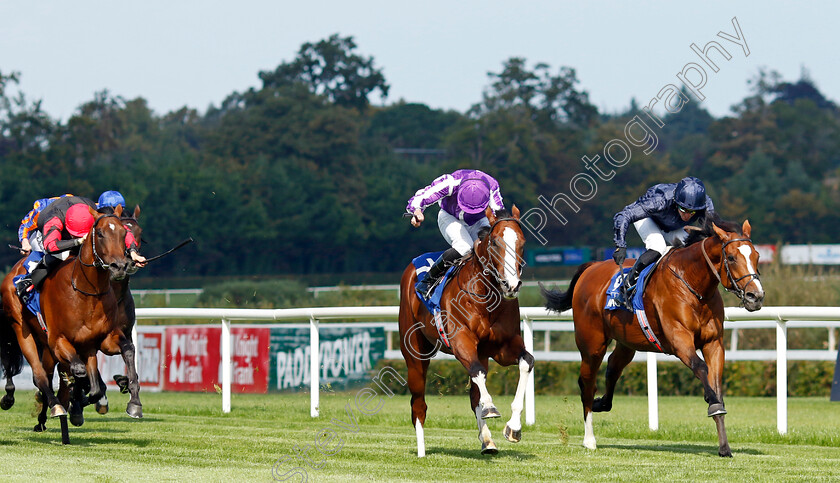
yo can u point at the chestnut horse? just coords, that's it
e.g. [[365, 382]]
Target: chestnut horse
[[80, 314], [480, 314], [683, 306]]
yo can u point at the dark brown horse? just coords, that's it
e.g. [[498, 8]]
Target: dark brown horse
[[683, 306], [80, 314], [480, 315]]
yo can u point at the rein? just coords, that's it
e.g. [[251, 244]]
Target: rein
[[98, 263], [735, 288]]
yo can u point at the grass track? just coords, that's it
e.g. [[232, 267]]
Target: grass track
[[185, 437]]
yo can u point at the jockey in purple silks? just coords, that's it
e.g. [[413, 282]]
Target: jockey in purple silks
[[463, 196]]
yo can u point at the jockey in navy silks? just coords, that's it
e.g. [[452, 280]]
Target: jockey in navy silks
[[463, 196], [660, 216]]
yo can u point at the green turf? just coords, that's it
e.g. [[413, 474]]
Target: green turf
[[185, 437]]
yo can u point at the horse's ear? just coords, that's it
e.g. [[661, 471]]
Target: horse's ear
[[118, 210], [515, 212], [136, 211], [746, 228], [491, 217], [722, 234], [94, 213]]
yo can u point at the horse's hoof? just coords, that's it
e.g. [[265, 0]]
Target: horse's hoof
[[589, 443], [511, 435], [78, 369], [77, 419], [725, 453], [57, 410], [716, 409], [599, 406], [102, 408], [134, 410], [489, 448], [40, 428], [7, 402], [490, 412]]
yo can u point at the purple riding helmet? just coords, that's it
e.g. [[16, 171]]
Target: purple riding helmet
[[473, 195]]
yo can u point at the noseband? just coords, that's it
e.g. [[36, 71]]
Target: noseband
[[738, 291]]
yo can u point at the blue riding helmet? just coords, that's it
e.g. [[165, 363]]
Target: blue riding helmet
[[111, 198], [690, 194]]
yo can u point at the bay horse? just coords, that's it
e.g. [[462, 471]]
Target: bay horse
[[80, 316], [683, 306], [480, 316], [127, 320]]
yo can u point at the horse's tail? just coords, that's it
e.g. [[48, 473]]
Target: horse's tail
[[560, 301], [10, 353]]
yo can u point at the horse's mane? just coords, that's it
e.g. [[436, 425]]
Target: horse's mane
[[705, 230], [482, 233]]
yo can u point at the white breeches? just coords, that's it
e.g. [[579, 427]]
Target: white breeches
[[457, 233], [655, 238]]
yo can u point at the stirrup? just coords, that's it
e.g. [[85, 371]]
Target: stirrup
[[23, 287]]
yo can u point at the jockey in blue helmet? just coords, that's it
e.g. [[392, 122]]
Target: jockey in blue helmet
[[111, 199], [660, 216], [463, 195]]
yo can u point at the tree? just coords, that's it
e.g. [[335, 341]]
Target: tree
[[332, 68]]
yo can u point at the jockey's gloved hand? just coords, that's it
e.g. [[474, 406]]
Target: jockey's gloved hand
[[619, 255]]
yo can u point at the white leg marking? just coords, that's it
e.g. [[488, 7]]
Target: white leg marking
[[746, 252], [510, 257], [421, 441], [519, 400], [588, 434], [485, 398], [483, 430]]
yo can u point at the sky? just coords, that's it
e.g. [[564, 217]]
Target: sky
[[196, 53]]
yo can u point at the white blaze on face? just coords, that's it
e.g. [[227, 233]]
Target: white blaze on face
[[510, 258], [112, 226], [746, 251]]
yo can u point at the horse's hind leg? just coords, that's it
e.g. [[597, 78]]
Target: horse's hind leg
[[590, 361], [713, 353], [102, 404], [618, 360], [417, 351], [8, 399]]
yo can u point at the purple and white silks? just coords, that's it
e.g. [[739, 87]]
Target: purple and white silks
[[444, 189]]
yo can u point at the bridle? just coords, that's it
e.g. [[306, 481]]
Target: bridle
[[734, 289], [491, 269], [98, 262]]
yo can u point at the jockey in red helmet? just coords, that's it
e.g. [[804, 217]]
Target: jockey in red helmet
[[65, 223]]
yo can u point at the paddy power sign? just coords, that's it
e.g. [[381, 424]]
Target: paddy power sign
[[347, 355]]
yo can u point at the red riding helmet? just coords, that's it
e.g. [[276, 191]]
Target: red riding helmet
[[78, 220]]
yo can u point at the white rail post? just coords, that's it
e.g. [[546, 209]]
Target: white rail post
[[314, 367], [225, 366], [653, 389], [528, 336], [781, 376], [136, 349]]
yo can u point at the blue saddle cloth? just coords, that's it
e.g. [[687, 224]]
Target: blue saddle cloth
[[422, 264], [34, 302], [614, 300]]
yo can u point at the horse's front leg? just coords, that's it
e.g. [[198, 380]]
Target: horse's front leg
[[119, 343], [714, 354], [484, 436], [515, 353]]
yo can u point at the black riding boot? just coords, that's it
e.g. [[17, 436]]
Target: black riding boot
[[642, 263], [437, 270], [32, 281]]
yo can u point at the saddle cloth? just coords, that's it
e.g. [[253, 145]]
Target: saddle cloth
[[636, 305], [422, 264]]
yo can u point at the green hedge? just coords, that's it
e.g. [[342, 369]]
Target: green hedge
[[741, 378]]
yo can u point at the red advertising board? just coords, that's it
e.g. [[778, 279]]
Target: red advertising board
[[194, 361]]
